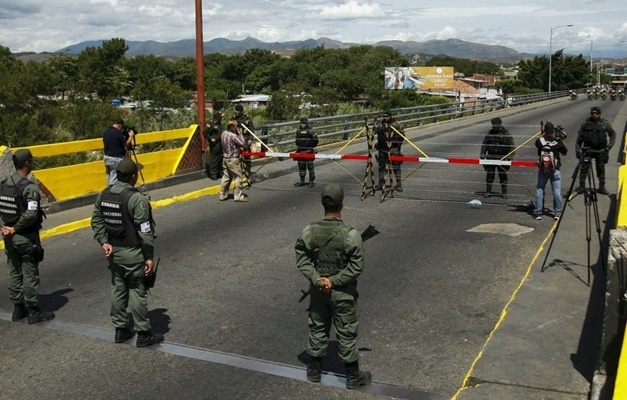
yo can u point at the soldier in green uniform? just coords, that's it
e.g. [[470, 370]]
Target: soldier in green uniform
[[244, 120], [306, 142], [389, 142], [22, 216], [123, 225], [595, 134], [497, 143], [330, 254], [212, 133]]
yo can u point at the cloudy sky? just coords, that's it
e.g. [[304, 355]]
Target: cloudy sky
[[49, 25]]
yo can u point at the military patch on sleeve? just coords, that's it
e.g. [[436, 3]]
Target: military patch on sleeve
[[142, 205], [145, 227], [33, 206]]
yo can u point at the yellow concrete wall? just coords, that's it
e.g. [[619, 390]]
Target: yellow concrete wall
[[80, 179]]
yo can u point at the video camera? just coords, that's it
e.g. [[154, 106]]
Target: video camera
[[128, 129], [559, 133]]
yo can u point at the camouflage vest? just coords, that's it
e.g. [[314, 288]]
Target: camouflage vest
[[328, 240], [594, 135], [118, 222]]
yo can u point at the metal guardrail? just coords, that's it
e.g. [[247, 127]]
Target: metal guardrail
[[280, 136]]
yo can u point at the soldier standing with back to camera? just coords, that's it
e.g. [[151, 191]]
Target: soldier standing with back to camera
[[115, 147], [123, 225], [212, 135], [389, 142], [22, 216], [306, 142], [593, 135], [244, 120], [497, 144], [330, 254]]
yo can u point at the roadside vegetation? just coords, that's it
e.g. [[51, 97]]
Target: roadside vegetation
[[68, 97]]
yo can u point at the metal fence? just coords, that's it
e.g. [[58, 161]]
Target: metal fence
[[280, 136]]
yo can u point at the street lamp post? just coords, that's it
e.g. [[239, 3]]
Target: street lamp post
[[551, 53]]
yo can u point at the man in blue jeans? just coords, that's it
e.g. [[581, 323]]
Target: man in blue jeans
[[549, 148]]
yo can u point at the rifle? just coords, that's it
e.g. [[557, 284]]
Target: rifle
[[150, 282], [368, 233]]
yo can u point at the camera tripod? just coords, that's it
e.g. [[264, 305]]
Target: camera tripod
[[589, 192], [141, 175]]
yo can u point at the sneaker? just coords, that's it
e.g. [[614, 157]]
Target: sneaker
[[123, 334], [241, 200], [538, 217], [145, 339], [556, 217]]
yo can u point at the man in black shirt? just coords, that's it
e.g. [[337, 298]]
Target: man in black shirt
[[115, 147]]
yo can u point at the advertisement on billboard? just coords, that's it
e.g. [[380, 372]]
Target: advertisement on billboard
[[419, 78]]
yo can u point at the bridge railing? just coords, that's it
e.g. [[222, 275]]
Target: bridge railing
[[77, 180]]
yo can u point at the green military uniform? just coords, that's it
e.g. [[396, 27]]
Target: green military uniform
[[24, 247], [306, 142], [212, 135], [497, 144], [340, 257], [389, 142], [122, 217], [243, 119], [593, 134]]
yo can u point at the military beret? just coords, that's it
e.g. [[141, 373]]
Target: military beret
[[239, 107], [22, 155], [387, 112], [595, 109], [496, 121], [304, 120], [128, 167], [334, 192]]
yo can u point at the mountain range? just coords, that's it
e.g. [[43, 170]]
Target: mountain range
[[187, 48]]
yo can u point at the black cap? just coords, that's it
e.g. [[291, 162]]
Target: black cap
[[22, 155], [304, 120], [496, 121], [595, 109], [334, 192], [387, 112], [118, 121], [128, 167], [239, 107]]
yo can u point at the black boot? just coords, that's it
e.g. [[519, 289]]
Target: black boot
[[488, 191], [601, 189], [311, 182], [147, 338], [19, 312], [36, 315], [399, 187], [356, 378], [380, 186], [301, 182], [504, 191], [123, 334], [314, 369]]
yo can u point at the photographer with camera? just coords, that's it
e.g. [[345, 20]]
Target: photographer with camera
[[116, 139], [597, 135], [550, 145]]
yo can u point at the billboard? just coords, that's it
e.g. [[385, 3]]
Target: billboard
[[419, 78]]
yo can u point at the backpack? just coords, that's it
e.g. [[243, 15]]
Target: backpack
[[547, 157]]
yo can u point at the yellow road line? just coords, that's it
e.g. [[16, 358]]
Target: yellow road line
[[503, 314]]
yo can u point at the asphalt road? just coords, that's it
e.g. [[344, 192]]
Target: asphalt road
[[430, 295]]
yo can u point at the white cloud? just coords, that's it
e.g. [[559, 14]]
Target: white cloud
[[350, 10]]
